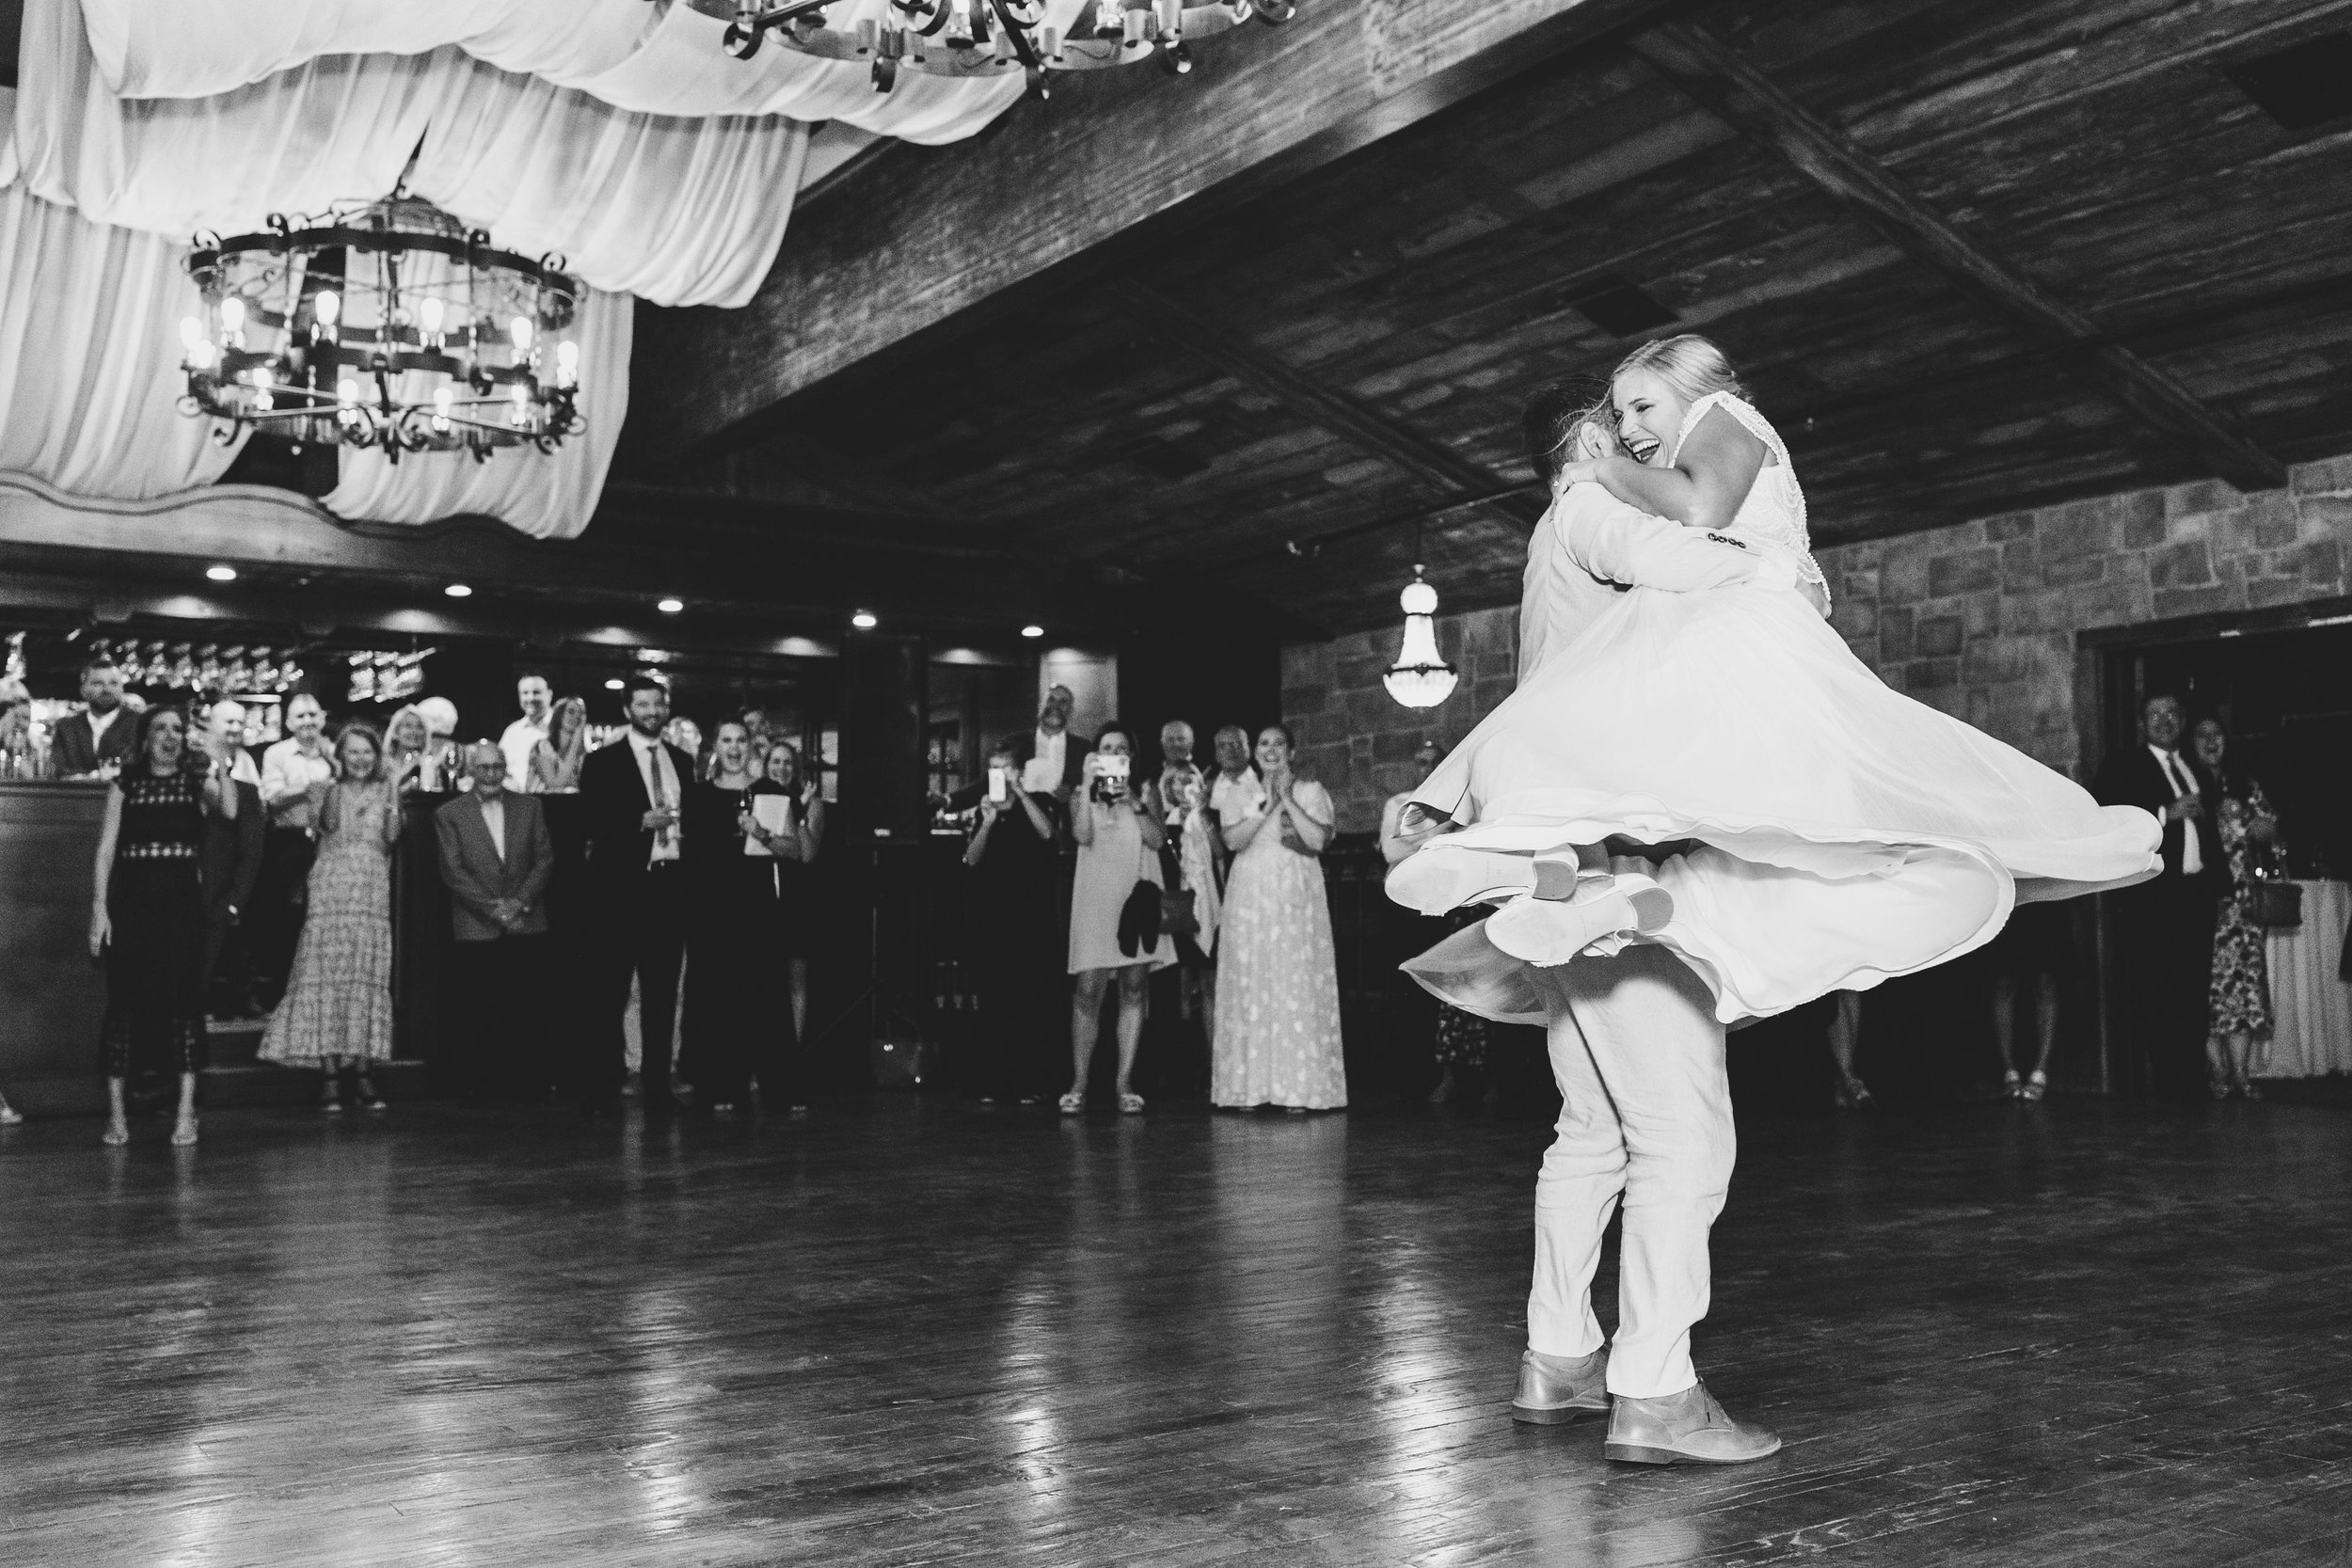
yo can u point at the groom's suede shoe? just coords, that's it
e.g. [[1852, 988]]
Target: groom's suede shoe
[[1557, 1388], [1689, 1427]]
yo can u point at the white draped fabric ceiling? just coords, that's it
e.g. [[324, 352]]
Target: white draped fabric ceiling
[[613, 132]]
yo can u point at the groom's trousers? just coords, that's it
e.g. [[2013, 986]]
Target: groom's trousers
[[1646, 1122]]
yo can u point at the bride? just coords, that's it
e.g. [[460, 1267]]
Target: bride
[[1714, 771]]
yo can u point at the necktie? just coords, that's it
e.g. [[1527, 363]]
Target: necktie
[[2192, 852]]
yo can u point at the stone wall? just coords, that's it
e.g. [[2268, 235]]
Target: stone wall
[[1979, 619]]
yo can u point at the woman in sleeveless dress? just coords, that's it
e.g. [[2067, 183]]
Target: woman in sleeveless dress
[[147, 920], [1278, 995], [337, 1007], [1716, 772]]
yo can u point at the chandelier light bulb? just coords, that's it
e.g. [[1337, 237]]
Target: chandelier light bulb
[[192, 334], [567, 363], [347, 392], [233, 314], [518, 401], [671, 607], [1033, 630], [262, 381], [864, 620], [521, 330], [429, 316], [327, 305], [443, 400]]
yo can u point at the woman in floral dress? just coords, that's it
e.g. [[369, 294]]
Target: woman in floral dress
[[2239, 998], [337, 1007], [1278, 993]]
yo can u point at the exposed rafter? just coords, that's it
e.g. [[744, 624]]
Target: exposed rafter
[[1124, 154], [1710, 72], [1208, 336]]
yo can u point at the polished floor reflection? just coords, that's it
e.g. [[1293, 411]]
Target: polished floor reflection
[[911, 1332]]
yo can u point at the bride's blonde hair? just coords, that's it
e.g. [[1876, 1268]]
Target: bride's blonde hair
[[1691, 364]]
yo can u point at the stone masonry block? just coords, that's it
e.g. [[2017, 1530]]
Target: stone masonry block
[[2021, 566], [2323, 564], [2073, 531], [2108, 604], [2187, 565], [2174, 603], [1305, 663], [1903, 570], [2269, 593], [1855, 618], [2144, 525], [2333, 473], [1858, 585], [1305, 702], [1964, 572], [1897, 631], [2076, 572], [2207, 495], [1940, 636], [2325, 514], [2264, 522], [1927, 674], [2014, 525], [1359, 669]]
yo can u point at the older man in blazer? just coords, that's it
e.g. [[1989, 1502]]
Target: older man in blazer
[[496, 858]]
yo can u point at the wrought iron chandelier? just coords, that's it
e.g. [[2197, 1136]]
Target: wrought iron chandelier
[[985, 38], [387, 324], [1420, 677]]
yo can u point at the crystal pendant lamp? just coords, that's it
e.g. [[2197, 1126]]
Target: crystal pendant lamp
[[1420, 677]]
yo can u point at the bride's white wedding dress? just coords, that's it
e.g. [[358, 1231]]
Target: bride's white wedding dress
[[1841, 834]]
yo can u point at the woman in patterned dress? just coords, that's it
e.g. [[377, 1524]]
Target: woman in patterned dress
[[2239, 998], [1278, 997], [337, 1007], [147, 919]]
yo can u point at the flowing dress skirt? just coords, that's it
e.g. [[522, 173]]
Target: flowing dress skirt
[[1834, 833], [339, 999], [1277, 991]]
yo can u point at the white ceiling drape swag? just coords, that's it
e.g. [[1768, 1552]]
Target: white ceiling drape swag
[[659, 58], [613, 132], [89, 357]]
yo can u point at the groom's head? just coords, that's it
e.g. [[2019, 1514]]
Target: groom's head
[[1552, 419]]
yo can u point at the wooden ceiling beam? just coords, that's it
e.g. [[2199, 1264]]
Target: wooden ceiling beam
[[1725, 84], [1209, 336], [924, 235]]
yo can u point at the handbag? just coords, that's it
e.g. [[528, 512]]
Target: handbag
[[2276, 906], [1139, 916], [1179, 915]]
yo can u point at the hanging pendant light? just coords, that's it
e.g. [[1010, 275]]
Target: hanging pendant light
[[1420, 677]]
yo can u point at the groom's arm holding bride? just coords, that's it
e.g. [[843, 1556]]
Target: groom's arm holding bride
[[1609, 538]]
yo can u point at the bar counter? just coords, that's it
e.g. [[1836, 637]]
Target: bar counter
[[53, 993]]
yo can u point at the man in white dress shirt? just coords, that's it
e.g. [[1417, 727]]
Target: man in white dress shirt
[[633, 800], [1645, 1125], [536, 698], [289, 768], [1056, 757], [96, 739]]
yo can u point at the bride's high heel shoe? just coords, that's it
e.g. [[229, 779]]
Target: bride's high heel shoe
[[1548, 931], [1440, 878]]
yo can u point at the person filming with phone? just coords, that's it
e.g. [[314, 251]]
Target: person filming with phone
[[1019, 947], [1114, 909]]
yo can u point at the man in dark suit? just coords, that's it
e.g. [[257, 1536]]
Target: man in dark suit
[[496, 858], [231, 857], [632, 797], [2164, 927], [100, 735]]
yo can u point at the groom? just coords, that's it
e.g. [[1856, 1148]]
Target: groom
[[1645, 1119]]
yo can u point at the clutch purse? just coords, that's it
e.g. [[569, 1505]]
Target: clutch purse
[[1140, 918], [2277, 906]]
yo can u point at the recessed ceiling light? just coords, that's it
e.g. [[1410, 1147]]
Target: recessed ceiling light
[[865, 621], [458, 591], [671, 607], [221, 574], [1032, 631], [615, 683]]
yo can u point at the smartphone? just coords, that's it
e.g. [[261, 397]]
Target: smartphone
[[1112, 766], [999, 786]]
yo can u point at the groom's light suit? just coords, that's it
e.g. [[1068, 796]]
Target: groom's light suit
[[1645, 1112]]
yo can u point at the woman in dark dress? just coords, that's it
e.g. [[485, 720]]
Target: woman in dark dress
[[731, 933], [795, 883], [1019, 948], [146, 920]]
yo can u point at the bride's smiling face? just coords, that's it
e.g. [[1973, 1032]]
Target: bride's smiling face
[[1649, 412]]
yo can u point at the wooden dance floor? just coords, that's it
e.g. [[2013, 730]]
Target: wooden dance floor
[[902, 1332]]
